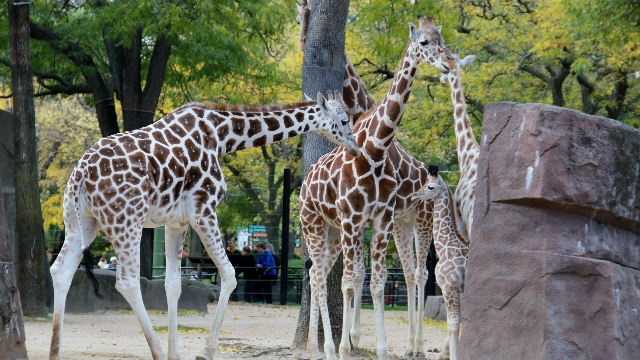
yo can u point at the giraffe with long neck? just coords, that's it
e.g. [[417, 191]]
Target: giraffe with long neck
[[452, 252], [467, 146], [169, 173], [342, 193], [413, 215]]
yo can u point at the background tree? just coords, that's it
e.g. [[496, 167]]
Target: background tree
[[323, 71], [33, 278], [142, 45]]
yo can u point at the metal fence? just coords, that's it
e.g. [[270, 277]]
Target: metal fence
[[261, 290]]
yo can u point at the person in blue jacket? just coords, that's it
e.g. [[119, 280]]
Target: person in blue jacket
[[268, 271]]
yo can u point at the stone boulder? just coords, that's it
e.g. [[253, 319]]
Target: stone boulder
[[435, 308], [81, 299], [554, 268]]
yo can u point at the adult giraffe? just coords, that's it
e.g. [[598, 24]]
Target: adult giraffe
[[169, 173], [413, 215], [342, 193]]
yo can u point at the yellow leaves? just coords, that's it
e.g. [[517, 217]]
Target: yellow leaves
[[52, 212]]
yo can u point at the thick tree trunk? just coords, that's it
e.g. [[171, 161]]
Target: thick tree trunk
[[34, 281], [323, 71], [12, 341], [138, 106]]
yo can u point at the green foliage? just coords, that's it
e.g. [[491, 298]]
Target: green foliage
[[248, 52]]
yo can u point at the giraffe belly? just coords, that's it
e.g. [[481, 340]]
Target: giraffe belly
[[172, 214]]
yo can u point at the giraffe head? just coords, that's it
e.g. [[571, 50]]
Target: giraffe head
[[428, 46], [434, 187], [456, 64], [334, 121]]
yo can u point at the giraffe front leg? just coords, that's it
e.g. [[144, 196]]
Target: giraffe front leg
[[354, 333], [383, 230], [352, 260], [403, 235], [424, 237], [451, 283]]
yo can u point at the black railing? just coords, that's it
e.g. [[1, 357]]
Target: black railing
[[259, 289]]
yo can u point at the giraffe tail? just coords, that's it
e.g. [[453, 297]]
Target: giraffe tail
[[72, 195], [75, 187]]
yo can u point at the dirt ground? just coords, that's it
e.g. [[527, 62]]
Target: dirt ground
[[248, 332]]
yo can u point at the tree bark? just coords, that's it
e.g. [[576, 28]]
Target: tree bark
[[12, 341], [323, 70], [34, 280]]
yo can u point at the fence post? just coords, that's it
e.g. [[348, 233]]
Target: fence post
[[284, 251]]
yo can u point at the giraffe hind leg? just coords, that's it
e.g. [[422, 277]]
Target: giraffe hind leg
[[127, 248], [174, 237], [62, 271]]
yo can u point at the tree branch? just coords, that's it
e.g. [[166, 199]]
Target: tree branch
[[587, 88], [156, 72], [247, 186]]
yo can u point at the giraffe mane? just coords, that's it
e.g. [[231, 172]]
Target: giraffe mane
[[362, 117], [248, 108], [455, 219]]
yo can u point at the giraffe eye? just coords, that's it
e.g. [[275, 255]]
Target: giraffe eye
[[430, 188], [424, 42]]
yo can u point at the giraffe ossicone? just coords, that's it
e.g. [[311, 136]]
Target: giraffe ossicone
[[169, 173]]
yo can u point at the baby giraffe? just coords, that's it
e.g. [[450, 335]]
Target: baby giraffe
[[451, 251]]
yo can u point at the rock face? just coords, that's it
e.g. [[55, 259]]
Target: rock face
[[554, 269], [195, 295], [435, 308]]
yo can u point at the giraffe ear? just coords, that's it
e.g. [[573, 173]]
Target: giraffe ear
[[412, 32], [322, 101], [433, 170], [469, 59], [307, 97]]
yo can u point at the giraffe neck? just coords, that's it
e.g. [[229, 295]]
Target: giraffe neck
[[467, 146], [354, 93], [385, 118], [243, 129], [443, 220]]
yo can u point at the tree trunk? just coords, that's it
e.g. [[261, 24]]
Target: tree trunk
[[138, 106], [31, 266], [12, 343], [323, 70]]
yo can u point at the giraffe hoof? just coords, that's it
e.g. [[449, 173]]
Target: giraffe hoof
[[420, 356]]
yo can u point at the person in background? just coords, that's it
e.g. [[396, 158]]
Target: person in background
[[113, 263], [246, 267], [233, 254], [268, 271], [184, 255], [103, 264]]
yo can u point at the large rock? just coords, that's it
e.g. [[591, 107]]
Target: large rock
[[554, 269], [81, 299], [435, 308]]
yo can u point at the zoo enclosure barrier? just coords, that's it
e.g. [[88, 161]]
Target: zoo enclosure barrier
[[258, 289]]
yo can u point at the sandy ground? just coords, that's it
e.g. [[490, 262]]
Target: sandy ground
[[248, 332]]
